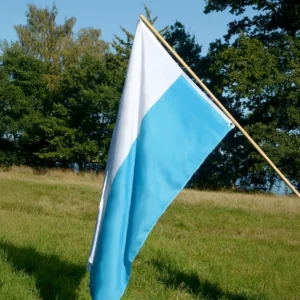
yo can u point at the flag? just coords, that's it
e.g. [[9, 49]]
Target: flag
[[166, 127]]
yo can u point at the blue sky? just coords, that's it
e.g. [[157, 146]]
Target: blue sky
[[108, 15]]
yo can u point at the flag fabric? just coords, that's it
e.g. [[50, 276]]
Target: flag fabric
[[165, 129]]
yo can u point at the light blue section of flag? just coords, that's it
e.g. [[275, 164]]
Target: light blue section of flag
[[176, 135]]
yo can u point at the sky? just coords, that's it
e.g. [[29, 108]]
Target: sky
[[108, 15]]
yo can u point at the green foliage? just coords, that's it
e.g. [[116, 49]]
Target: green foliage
[[22, 105], [185, 45], [57, 44], [272, 16], [84, 114], [59, 94], [123, 46], [255, 73], [41, 36]]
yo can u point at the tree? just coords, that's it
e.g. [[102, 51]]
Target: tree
[[24, 104], [59, 94], [43, 38], [255, 73], [84, 114], [185, 45], [274, 16], [123, 46], [58, 45]]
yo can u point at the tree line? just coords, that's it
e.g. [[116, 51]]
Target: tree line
[[60, 89]]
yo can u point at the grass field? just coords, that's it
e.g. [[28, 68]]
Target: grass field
[[206, 246]]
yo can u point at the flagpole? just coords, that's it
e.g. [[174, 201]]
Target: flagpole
[[219, 104]]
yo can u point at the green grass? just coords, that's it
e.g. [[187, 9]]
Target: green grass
[[206, 246]]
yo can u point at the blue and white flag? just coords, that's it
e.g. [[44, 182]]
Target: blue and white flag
[[165, 129]]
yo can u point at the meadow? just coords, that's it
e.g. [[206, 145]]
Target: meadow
[[208, 245]]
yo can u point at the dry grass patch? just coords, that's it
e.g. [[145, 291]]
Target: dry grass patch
[[56, 176], [264, 203]]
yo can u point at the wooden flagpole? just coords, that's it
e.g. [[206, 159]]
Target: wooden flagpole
[[219, 104]]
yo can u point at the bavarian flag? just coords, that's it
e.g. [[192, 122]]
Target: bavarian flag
[[165, 129]]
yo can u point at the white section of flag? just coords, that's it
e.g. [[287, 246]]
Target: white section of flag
[[162, 71]]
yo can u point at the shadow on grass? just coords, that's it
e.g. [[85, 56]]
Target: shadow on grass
[[176, 279], [55, 279]]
